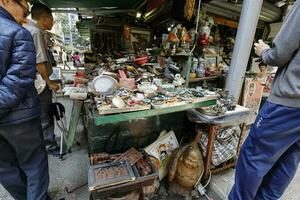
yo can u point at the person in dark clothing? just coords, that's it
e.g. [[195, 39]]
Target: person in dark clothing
[[51, 57], [23, 159], [270, 156]]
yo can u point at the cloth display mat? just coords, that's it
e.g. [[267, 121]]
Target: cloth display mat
[[225, 146]]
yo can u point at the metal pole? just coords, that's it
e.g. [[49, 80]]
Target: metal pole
[[242, 48]]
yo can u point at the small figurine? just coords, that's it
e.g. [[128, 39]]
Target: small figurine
[[185, 35], [173, 51], [200, 71], [185, 39], [204, 38], [172, 37], [193, 75], [178, 80], [195, 64], [230, 102], [217, 37]]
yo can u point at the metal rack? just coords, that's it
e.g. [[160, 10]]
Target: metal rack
[[230, 119]]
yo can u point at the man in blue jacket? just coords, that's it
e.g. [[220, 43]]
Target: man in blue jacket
[[23, 160]]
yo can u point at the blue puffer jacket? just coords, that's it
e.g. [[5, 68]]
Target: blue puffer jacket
[[18, 97]]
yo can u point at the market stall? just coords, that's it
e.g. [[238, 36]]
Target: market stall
[[143, 91], [126, 102]]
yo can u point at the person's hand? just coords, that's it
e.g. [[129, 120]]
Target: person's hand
[[53, 86], [260, 47]]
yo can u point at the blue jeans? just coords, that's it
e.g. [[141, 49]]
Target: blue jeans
[[270, 156], [23, 161]]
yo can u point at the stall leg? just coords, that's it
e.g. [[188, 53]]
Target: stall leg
[[75, 116], [209, 150]]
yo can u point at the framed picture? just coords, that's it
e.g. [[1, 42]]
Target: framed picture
[[56, 75], [162, 150], [211, 61], [253, 91], [140, 35], [137, 38]]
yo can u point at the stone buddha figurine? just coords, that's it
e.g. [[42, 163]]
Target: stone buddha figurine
[[186, 168]]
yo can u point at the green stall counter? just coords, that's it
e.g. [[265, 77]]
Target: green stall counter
[[118, 132]]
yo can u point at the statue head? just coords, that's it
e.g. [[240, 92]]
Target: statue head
[[190, 157]]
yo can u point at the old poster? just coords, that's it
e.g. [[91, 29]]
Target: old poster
[[253, 90]]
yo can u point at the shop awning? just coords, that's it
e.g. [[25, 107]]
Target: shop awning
[[123, 4], [269, 12]]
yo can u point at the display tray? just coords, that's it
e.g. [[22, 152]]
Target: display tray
[[103, 158], [180, 103], [109, 174], [168, 105], [211, 115], [143, 177], [132, 156], [102, 110], [206, 111]]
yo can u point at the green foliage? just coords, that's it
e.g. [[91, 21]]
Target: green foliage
[[78, 40]]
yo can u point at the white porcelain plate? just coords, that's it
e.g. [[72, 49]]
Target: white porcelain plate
[[105, 84]]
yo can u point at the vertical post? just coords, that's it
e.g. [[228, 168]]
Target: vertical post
[[243, 44], [209, 150], [75, 116], [188, 72]]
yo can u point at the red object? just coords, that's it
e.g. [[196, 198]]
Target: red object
[[151, 5], [80, 73], [204, 40], [141, 60], [79, 78], [122, 74], [75, 58], [207, 73], [125, 82], [134, 102]]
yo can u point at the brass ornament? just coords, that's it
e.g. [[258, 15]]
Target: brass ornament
[[187, 165], [189, 9]]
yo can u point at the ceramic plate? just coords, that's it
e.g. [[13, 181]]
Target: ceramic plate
[[105, 84], [147, 87]]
